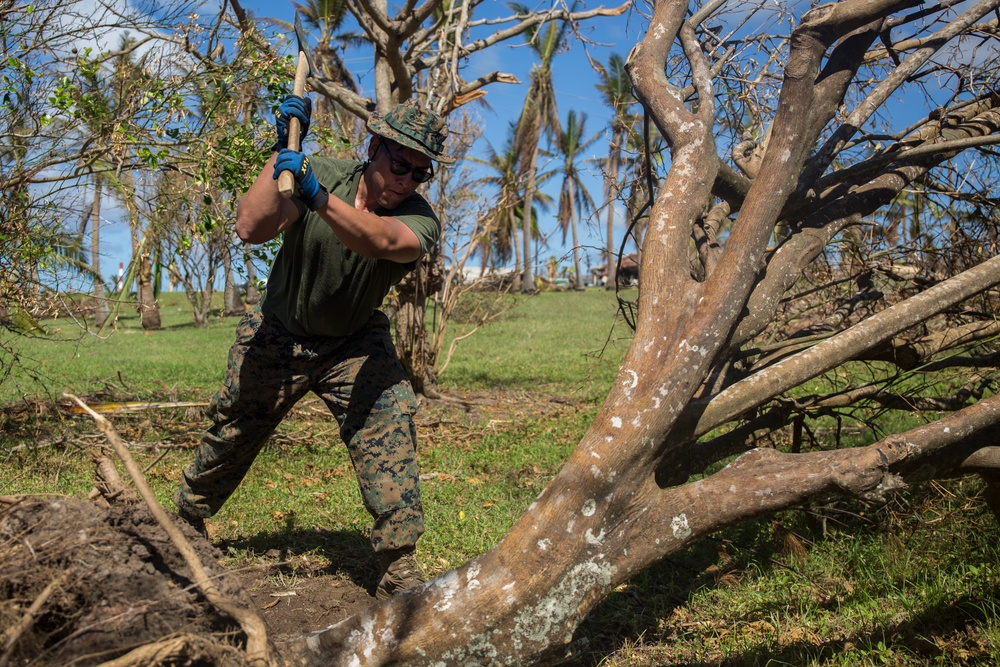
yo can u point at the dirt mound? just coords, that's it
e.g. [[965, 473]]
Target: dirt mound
[[82, 585]]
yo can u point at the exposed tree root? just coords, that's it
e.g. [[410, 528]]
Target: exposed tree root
[[110, 487], [13, 633], [184, 649], [259, 651]]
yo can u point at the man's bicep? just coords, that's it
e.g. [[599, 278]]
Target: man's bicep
[[407, 247], [426, 228]]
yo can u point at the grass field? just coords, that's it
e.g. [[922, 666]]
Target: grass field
[[913, 582]]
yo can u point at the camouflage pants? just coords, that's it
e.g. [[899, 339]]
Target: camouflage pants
[[363, 384]]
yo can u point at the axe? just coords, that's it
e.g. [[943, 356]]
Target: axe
[[303, 68]]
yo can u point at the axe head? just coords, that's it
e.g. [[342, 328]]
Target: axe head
[[303, 44]]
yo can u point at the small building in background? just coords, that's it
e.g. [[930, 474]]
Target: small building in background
[[628, 272]]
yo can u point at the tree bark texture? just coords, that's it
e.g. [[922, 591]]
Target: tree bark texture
[[149, 311], [412, 344]]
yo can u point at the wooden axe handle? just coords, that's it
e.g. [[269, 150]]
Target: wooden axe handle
[[286, 179]]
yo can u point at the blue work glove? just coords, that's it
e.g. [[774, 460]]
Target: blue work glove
[[312, 193], [292, 106]]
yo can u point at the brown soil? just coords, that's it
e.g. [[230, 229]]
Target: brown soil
[[119, 583], [312, 603]]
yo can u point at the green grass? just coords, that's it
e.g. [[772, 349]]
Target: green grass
[[473, 491], [912, 582], [555, 342], [177, 360]]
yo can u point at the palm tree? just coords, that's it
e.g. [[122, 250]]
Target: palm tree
[[128, 90], [507, 215], [500, 241], [538, 115], [573, 194], [617, 91], [97, 107]]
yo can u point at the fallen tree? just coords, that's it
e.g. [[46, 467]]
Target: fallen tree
[[622, 501]]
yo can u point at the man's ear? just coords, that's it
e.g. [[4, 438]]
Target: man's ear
[[372, 147]]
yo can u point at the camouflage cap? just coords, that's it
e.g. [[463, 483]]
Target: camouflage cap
[[409, 125]]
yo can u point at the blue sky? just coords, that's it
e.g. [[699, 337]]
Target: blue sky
[[574, 80]]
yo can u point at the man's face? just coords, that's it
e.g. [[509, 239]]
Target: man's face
[[388, 157]]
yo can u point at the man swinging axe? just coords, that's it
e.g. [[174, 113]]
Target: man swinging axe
[[352, 230]]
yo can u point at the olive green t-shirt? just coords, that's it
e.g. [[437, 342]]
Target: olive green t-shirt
[[317, 286]]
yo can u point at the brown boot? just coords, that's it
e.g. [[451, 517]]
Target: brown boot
[[400, 571]]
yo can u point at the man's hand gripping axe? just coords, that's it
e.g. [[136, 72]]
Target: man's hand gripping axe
[[303, 68]]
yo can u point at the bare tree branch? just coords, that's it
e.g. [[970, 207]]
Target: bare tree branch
[[818, 164], [830, 353]]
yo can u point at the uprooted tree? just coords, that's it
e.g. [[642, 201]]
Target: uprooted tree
[[811, 252], [816, 164]]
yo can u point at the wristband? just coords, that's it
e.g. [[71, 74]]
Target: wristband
[[320, 200]]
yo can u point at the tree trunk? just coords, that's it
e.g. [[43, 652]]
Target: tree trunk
[[516, 248], [611, 181], [578, 275], [612, 510], [232, 302], [142, 266], [572, 549], [412, 345], [201, 314], [149, 309], [100, 298], [528, 282]]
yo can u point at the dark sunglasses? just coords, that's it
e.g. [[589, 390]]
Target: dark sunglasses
[[401, 167]]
